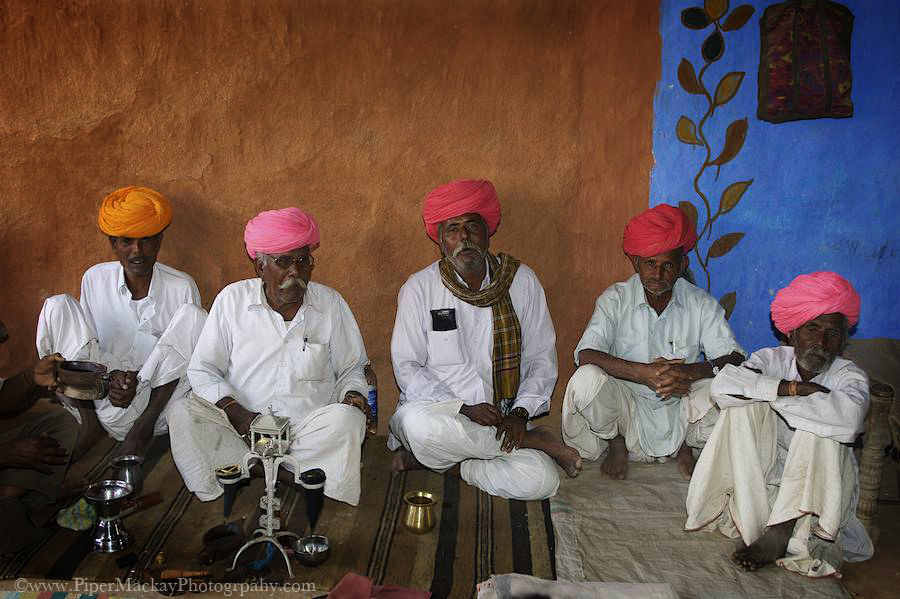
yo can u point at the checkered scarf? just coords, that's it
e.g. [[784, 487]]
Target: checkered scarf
[[507, 355]]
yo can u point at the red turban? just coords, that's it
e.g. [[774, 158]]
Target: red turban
[[134, 212], [810, 296], [461, 197], [659, 230], [280, 231]]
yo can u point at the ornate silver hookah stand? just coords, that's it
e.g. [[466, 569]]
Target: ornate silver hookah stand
[[269, 443]]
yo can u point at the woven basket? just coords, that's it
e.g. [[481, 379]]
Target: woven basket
[[871, 461]]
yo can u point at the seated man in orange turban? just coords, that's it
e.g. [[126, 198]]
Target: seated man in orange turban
[[474, 354], [137, 316], [642, 389], [778, 470]]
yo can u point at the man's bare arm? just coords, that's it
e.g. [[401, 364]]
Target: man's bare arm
[[635, 372]]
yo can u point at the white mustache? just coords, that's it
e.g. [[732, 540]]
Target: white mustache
[[466, 245], [292, 282]]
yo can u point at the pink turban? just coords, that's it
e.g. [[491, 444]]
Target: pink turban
[[810, 296], [461, 197], [280, 231], [659, 230]]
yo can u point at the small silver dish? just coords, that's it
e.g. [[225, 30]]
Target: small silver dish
[[312, 550]]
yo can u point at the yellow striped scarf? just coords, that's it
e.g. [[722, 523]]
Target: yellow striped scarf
[[507, 354]]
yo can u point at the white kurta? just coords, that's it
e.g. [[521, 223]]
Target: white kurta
[[299, 369], [692, 327], [454, 367], [153, 336], [772, 459]]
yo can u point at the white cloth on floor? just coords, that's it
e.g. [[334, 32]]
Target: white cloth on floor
[[432, 365], [64, 327], [763, 466], [329, 437], [625, 326], [302, 370], [440, 437], [597, 407]]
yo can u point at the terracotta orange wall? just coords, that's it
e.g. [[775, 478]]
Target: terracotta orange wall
[[352, 110]]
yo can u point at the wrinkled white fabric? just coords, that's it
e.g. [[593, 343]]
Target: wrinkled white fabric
[[328, 437], [301, 370], [247, 351], [64, 327], [597, 407], [455, 365], [440, 437], [625, 326], [763, 466]]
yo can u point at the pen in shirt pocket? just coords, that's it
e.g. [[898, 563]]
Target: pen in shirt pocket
[[305, 339]]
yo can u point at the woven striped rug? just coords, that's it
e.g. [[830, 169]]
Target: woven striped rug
[[476, 535]]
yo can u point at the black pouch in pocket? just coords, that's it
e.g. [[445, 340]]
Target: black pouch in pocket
[[443, 319]]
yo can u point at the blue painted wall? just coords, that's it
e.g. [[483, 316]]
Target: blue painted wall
[[826, 192]]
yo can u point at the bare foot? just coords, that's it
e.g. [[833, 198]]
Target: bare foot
[[405, 460], [615, 466], [542, 439], [766, 549], [685, 461]]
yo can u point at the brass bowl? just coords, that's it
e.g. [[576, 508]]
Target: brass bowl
[[419, 517]]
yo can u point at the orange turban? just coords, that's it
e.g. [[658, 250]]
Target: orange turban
[[658, 230], [461, 197], [134, 212], [810, 296]]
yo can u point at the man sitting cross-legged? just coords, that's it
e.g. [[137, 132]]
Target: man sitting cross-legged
[[282, 342], [137, 316], [778, 469], [474, 355], [641, 389]]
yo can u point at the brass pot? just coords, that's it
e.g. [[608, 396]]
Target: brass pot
[[419, 517]]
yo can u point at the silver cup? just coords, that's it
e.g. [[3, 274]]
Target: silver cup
[[106, 497], [127, 468]]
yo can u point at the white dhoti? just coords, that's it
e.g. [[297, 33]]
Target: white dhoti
[[64, 329], [598, 407], [440, 437], [755, 472], [329, 438]]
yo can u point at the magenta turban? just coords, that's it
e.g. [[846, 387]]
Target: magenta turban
[[461, 197], [659, 230], [280, 231], [810, 296]]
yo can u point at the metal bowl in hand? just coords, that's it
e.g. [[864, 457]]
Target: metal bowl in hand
[[82, 380], [312, 550]]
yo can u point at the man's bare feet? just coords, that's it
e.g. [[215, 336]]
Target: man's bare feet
[[542, 439], [766, 549], [615, 466], [405, 460], [685, 461]]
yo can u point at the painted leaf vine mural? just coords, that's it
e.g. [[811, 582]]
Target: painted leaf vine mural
[[713, 13]]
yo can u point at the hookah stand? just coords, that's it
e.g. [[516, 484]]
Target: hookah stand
[[269, 524]]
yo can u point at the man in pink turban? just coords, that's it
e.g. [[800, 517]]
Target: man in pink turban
[[475, 358], [137, 316], [278, 344], [646, 358], [790, 415]]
